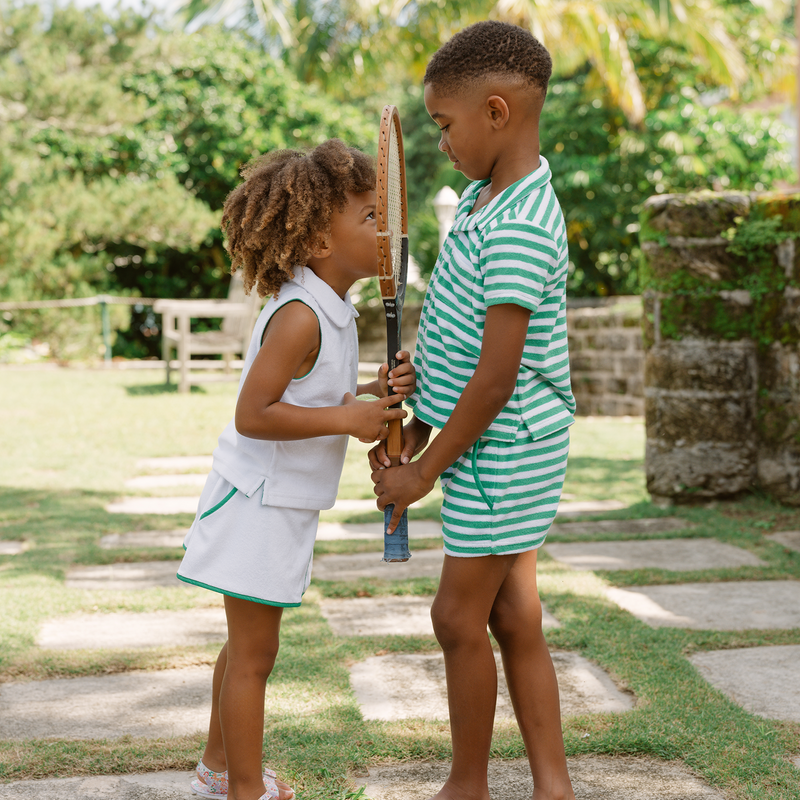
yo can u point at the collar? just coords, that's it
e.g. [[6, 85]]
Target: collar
[[340, 312], [505, 200]]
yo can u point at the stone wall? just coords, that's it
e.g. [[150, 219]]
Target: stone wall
[[606, 353], [606, 356], [721, 331]]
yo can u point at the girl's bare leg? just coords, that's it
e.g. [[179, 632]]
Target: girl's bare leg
[[253, 630], [516, 624], [460, 614], [214, 754]]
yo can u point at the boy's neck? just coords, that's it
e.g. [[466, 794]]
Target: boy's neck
[[509, 168]]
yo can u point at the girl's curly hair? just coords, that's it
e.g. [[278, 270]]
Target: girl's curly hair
[[275, 218]]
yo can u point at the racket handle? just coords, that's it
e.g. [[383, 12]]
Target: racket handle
[[395, 545], [394, 441]]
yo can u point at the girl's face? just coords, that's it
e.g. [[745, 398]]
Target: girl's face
[[350, 249], [354, 237], [465, 129]]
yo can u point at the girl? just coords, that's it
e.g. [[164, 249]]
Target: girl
[[493, 374], [302, 228]]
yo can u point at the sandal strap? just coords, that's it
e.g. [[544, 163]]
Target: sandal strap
[[217, 782]]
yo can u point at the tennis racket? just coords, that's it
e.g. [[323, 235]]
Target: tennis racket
[[392, 224]]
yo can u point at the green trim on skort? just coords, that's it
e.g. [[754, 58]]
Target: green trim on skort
[[220, 504], [233, 594]]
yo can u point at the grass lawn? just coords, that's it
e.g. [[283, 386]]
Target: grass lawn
[[71, 438]]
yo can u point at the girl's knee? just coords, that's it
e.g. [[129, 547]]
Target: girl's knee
[[257, 661]]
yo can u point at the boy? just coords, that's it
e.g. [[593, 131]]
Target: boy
[[493, 374]]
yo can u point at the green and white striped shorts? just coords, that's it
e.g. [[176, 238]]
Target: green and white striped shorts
[[502, 497]]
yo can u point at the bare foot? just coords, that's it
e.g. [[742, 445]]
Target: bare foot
[[452, 791], [557, 792]]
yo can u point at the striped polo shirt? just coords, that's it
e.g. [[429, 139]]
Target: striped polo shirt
[[514, 250]]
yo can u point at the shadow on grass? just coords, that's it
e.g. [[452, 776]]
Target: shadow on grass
[[153, 389], [64, 528]]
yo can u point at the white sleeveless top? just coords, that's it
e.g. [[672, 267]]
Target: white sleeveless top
[[302, 473]]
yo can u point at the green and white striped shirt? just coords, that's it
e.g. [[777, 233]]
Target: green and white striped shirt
[[514, 250]]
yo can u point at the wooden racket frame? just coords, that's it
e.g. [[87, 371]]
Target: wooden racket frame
[[392, 290]]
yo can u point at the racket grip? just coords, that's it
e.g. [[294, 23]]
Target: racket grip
[[395, 545]]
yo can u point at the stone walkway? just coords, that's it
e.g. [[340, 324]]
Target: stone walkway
[[593, 778], [176, 701]]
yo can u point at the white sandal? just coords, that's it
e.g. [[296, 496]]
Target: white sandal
[[215, 784]]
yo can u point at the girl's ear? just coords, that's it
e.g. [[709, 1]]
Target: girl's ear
[[497, 108], [322, 248]]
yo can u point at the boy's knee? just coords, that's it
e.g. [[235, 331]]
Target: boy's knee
[[454, 629], [508, 623]]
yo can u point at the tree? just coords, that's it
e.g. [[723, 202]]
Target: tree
[[123, 140]]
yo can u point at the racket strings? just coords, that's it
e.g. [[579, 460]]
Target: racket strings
[[395, 203]]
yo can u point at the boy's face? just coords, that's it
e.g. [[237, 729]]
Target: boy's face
[[353, 236], [465, 128]]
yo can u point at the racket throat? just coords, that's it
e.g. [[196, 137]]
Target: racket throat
[[392, 310]]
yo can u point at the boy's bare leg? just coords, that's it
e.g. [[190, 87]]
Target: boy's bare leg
[[460, 614], [253, 630], [516, 624]]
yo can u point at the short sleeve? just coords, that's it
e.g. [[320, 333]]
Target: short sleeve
[[518, 261]]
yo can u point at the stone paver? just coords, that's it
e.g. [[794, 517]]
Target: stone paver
[[655, 525], [188, 505], [417, 529], [671, 554], [379, 616], [154, 505], [175, 463], [142, 575], [422, 564], [172, 538], [166, 481], [730, 606], [133, 630], [11, 547], [763, 680], [593, 778], [790, 539], [577, 507], [169, 702], [381, 684], [149, 786]]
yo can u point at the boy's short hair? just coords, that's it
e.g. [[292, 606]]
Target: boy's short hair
[[486, 50], [280, 213]]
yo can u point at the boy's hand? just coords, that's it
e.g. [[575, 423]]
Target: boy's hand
[[402, 379], [415, 440], [401, 486], [366, 419]]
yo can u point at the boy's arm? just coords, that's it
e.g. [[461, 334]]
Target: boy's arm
[[291, 337], [487, 392]]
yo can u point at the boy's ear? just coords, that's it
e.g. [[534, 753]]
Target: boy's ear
[[497, 108]]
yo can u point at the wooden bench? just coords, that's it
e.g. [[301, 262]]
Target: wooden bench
[[238, 313]]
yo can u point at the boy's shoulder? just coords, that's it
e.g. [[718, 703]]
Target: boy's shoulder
[[531, 201]]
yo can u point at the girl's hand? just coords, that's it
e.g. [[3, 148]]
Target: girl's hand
[[401, 486], [366, 419], [402, 379], [415, 440]]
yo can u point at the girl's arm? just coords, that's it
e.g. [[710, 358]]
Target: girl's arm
[[289, 349], [486, 394]]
